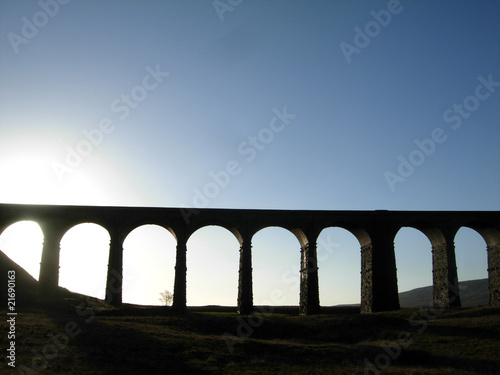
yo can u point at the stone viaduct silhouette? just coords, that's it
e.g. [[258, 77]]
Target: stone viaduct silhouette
[[375, 231]]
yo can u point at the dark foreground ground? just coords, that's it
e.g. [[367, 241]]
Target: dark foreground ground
[[80, 336]]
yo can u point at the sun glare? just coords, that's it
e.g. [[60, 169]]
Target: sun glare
[[148, 264], [22, 243], [25, 180], [84, 259], [212, 262], [30, 180]]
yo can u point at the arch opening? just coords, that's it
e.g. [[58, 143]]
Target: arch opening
[[413, 252], [276, 267], [490, 235], [339, 263], [83, 259], [471, 255], [148, 265], [212, 267], [22, 242], [472, 267]]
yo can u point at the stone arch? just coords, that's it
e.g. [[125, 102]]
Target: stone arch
[[215, 223], [491, 236], [149, 253], [472, 266], [413, 253], [278, 269], [433, 233], [83, 259], [296, 231], [469, 243], [212, 265], [366, 264], [129, 227], [339, 266], [444, 270], [356, 230], [22, 242]]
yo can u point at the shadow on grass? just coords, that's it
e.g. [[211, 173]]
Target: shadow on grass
[[469, 332], [156, 341], [120, 349], [426, 360]]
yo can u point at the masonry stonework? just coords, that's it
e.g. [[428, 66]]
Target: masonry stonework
[[180, 281], [245, 294], [445, 281], [309, 288], [366, 278], [494, 274], [114, 278], [375, 231]]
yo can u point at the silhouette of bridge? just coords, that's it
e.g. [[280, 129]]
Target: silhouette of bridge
[[375, 231]]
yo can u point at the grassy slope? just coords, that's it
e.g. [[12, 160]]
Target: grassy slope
[[26, 285], [206, 341], [154, 341]]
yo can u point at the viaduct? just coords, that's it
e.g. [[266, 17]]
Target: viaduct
[[375, 231]]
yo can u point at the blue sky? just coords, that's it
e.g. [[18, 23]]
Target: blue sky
[[169, 92]]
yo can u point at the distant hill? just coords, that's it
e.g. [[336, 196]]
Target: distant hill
[[472, 293]]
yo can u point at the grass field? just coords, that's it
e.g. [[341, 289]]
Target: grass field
[[82, 336]]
